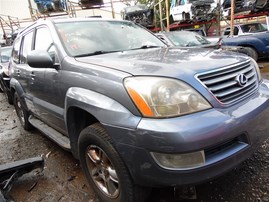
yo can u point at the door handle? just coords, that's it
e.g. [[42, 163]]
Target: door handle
[[18, 72], [32, 75]]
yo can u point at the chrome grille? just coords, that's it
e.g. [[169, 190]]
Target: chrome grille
[[224, 84]]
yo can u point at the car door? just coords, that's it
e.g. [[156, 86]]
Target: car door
[[22, 46], [44, 83]]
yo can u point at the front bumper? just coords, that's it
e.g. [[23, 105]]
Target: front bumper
[[228, 136]]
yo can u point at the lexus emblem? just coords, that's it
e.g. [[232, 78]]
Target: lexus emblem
[[241, 79]]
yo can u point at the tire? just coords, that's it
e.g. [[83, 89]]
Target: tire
[[1, 88], [9, 97], [251, 52], [22, 113], [104, 168]]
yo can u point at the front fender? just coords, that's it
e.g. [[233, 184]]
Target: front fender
[[103, 108]]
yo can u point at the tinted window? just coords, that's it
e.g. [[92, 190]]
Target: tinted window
[[236, 30], [26, 47], [227, 31]]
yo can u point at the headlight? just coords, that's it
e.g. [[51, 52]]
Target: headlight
[[257, 69], [164, 97]]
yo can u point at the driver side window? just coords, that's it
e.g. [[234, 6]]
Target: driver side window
[[43, 41]]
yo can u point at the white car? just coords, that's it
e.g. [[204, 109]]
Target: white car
[[192, 10]]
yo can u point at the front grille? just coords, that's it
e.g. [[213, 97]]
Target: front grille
[[224, 83]]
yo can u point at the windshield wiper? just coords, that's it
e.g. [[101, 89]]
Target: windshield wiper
[[94, 53], [146, 47]]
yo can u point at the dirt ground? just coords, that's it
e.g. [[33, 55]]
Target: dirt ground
[[63, 180]]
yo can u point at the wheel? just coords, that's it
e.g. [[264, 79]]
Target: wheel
[[104, 168], [251, 52], [22, 113]]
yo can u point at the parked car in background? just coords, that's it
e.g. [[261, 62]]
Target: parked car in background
[[258, 43], [193, 40], [192, 10], [45, 6], [90, 3], [186, 39], [135, 112], [5, 54], [140, 14]]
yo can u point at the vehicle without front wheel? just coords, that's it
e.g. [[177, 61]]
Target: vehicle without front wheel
[[21, 112], [104, 168]]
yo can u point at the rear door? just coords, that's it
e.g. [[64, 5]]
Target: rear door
[[22, 46]]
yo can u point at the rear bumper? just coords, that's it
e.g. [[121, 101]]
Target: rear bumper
[[228, 136]]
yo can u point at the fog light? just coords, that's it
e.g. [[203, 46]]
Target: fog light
[[180, 161]]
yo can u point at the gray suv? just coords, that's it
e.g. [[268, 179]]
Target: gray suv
[[133, 111]]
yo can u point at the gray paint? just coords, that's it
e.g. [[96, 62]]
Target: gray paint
[[95, 84]]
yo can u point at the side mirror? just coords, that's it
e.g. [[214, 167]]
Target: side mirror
[[40, 59]]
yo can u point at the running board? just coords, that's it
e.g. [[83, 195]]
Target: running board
[[57, 137]]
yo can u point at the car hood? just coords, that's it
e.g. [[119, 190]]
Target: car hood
[[171, 62]]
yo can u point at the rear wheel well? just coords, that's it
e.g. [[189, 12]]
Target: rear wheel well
[[77, 120]]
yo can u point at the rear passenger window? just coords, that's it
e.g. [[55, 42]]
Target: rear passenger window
[[26, 47], [236, 30]]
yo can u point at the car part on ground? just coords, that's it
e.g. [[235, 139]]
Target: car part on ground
[[10, 172], [135, 112]]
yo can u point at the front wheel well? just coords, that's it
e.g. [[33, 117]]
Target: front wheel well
[[77, 119]]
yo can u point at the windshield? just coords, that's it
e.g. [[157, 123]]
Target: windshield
[[252, 28], [187, 39], [89, 37]]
